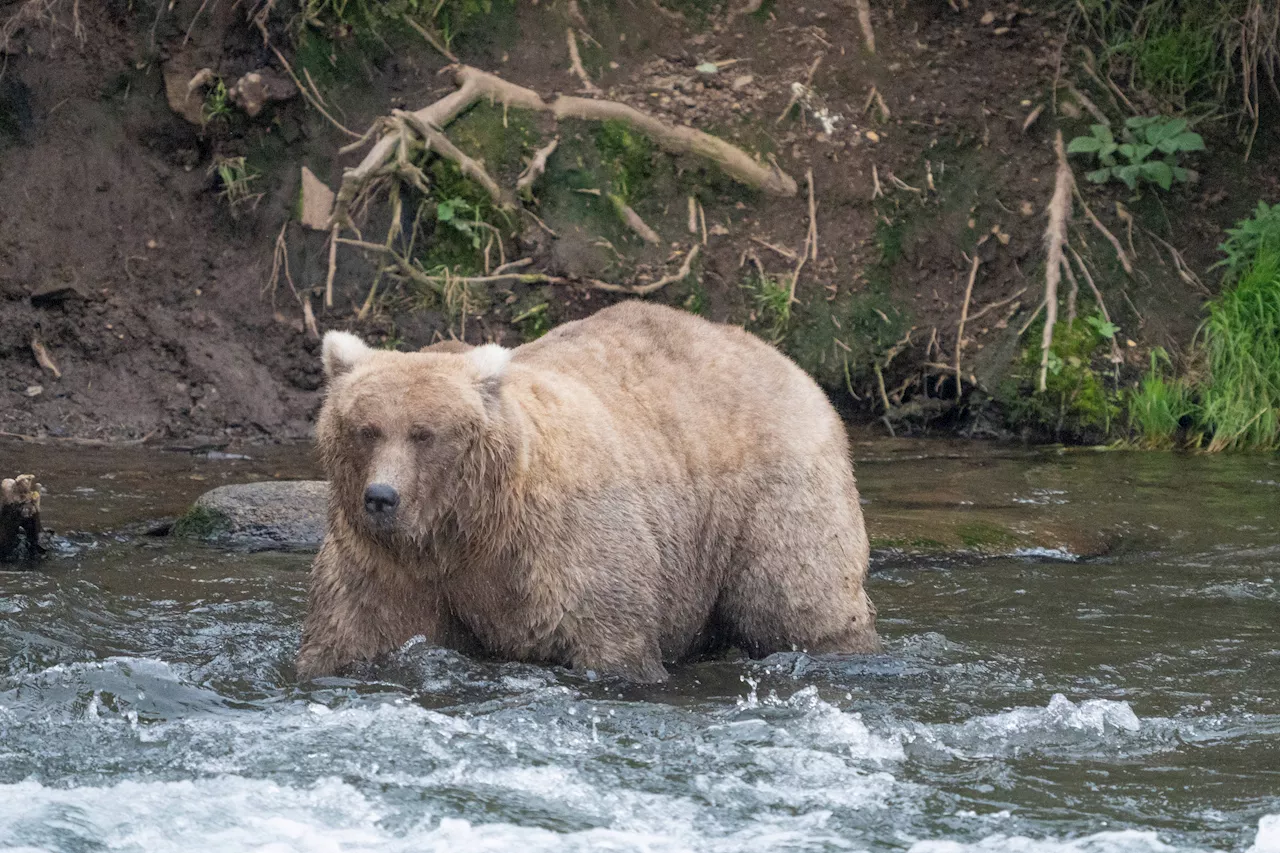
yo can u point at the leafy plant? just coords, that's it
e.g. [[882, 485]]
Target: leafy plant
[[1142, 137], [216, 103], [451, 211]]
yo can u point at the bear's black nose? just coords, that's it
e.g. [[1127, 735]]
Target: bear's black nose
[[380, 499]]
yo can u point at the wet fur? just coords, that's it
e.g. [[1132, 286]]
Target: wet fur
[[629, 490]]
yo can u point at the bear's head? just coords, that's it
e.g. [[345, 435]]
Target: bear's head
[[402, 434]]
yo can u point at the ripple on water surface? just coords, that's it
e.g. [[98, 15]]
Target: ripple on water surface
[[1128, 704]]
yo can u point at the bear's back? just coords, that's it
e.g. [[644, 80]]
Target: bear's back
[[714, 391]]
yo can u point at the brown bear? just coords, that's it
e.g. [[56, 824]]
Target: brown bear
[[631, 489]]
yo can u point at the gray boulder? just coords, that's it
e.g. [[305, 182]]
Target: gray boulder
[[271, 515]]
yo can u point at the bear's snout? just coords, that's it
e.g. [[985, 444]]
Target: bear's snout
[[380, 501]]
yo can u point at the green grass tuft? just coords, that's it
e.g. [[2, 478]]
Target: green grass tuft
[[1159, 406], [1241, 402]]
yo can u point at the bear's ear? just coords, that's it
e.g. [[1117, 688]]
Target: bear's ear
[[341, 352], [490, 362]]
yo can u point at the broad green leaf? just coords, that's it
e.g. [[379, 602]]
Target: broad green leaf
[[444, 211], [1141, 152], [1189, 142], [1180, 174], [1102, 132], [1084, 145], [1126, 151], [1159, 173], [1129, 174], [1098, 176]]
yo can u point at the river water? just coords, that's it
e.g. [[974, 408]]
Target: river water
[[1030, 702]]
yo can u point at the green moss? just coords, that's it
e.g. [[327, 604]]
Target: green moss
[[532, 314], [980, 536], [200, 523], [629, 157], [910, 544], [498, 138]]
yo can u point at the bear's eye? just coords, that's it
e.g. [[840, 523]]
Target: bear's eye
[[422, 435], [368, 432]]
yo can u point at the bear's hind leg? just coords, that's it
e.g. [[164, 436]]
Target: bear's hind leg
[[797, 575]]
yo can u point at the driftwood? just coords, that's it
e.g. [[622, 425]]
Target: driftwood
[[20, 519]]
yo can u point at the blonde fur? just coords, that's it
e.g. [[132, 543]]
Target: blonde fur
[[631, 489]]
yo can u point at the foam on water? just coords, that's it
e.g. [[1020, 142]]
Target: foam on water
[[1268, 839], [1123, 841]]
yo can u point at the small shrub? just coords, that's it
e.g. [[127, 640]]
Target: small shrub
[[1141, 138]]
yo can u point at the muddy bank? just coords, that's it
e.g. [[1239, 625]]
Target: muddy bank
[[161, 263]]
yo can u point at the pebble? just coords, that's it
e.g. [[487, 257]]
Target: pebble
[[34, 390]]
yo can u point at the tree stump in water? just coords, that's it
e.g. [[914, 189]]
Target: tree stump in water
[[20, 519]]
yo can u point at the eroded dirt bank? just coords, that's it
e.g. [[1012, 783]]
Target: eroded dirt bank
[[123, 259]]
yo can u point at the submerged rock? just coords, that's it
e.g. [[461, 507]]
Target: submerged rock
[[276, 514]]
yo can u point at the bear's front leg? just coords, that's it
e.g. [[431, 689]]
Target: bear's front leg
[[636, 659], [360, 610]]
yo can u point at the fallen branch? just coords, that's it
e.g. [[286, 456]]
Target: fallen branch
[[1055, 237], [964, 315]]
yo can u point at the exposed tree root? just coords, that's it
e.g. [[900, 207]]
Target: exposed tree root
[[1055, 237], [964, 316], [475, 85], [644, 289], [863, 8], [633, 220], [575, 65], [537, 166], [440, 144], [676, 139]]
